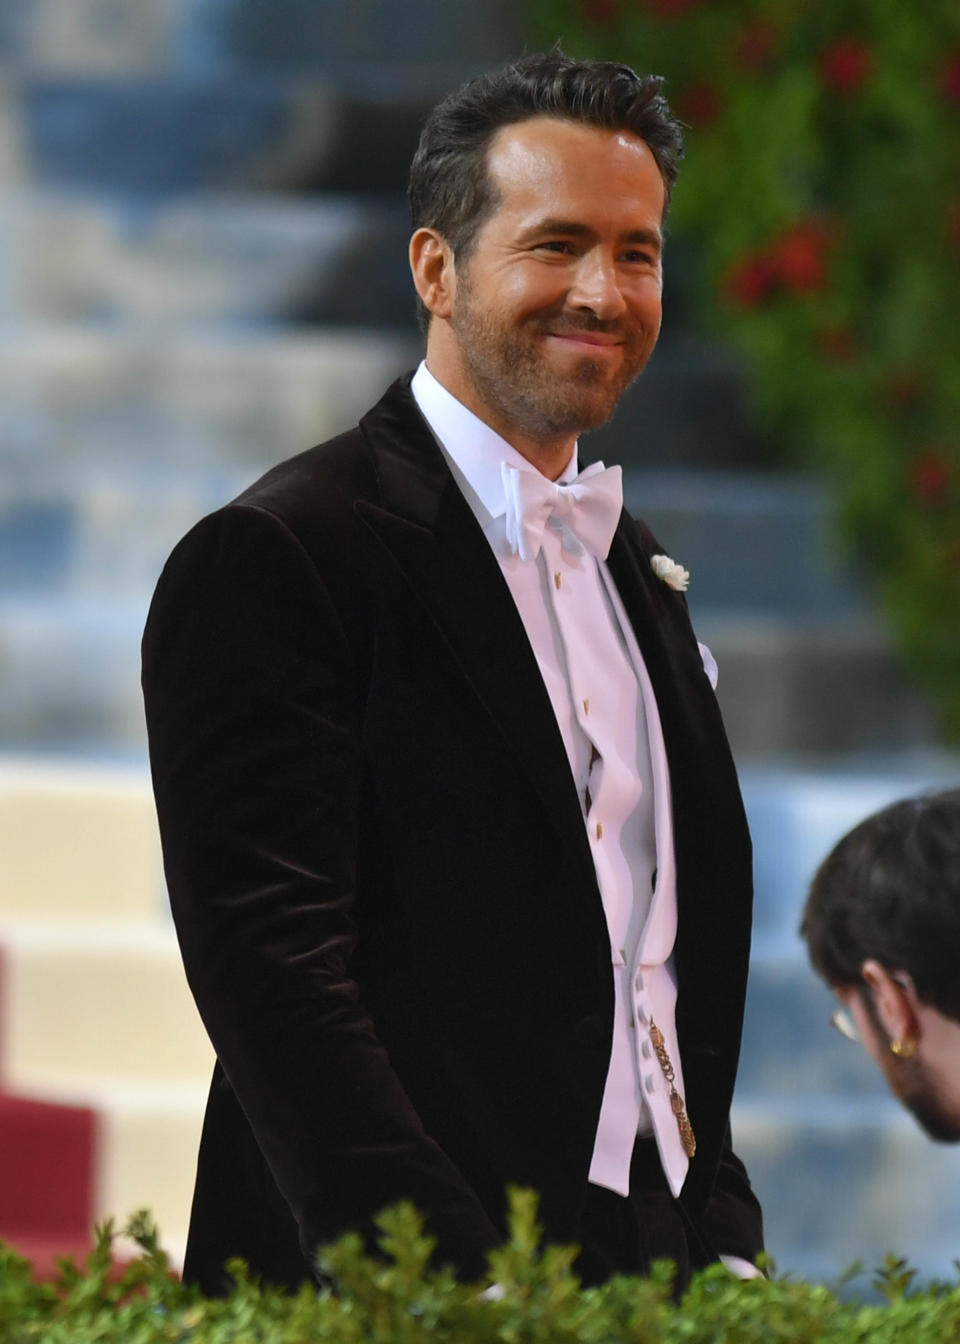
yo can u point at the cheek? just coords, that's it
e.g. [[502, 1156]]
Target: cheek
[[543, 288], [645, 303], [647, 294]]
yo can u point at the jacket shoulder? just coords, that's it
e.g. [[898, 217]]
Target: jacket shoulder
[[314, 492]]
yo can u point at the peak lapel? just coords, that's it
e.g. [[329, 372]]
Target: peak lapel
[[431, 533]]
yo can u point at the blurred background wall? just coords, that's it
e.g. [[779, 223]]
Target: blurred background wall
[[202, 271]]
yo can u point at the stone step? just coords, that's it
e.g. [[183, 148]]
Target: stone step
[[97, 998], [72, 676], [78, 842], [805, 689], [376, 44], [174, 134], [180, 133], [758, 542], [91, 37], [798, 812], [91, 402], [842, 1182], [213, 258], [789, 1048]]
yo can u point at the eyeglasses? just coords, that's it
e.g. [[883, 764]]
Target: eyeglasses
[[845, 1024]]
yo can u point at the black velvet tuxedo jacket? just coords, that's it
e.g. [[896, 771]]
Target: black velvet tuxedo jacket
[[380, 875]]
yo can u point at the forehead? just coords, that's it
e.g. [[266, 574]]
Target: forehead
[[544, 161]]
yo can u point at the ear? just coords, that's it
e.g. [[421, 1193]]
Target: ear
[[895, 1000], [434, 274]]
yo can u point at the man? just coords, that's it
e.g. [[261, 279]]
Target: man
[[447, 809], [882, 924]]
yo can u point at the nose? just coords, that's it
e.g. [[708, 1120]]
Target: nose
[[596, 287]]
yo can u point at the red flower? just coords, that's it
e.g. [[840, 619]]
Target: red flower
[[756, 45], [837, 344], [845, 64], [799, 257], [929, 474], [751, 281], [950, 80], [699, 105], [903, 390], [796, 261], [601, 13]]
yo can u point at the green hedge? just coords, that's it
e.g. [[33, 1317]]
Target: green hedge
[[397, 1300]]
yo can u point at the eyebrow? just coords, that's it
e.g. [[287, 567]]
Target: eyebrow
[[649, 237]]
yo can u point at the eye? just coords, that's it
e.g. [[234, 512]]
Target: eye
[[560, 246], [638, 256]]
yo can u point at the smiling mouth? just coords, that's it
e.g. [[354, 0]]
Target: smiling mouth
[[591, 340]]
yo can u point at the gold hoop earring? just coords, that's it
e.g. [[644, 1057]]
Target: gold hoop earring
[[903, 1049]]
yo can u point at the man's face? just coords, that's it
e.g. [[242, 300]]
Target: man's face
[[910, 1080], [557, 305]]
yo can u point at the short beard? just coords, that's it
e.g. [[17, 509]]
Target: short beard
[[920, 1096], [910, 1083], [507, 371]]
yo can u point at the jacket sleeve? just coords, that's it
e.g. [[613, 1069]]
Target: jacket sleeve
[[733, 1222], [254, 710]]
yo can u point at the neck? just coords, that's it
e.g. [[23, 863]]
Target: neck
[[549, 454], [550, 460]]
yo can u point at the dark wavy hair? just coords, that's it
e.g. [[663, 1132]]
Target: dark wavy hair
[[449, 188], [890, 890]]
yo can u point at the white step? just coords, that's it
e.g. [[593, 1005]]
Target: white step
[[72, 675], [210, 257], [99, 998], [77, 841], [96, 1011], [92, 37], [76, 397], [845, 1178]]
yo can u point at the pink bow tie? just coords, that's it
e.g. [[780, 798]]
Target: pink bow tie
[[585, 512]]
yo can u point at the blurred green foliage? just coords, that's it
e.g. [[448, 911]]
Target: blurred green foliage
[[821, 189], [398, 1299]]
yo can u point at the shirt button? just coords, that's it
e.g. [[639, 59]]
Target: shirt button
[[648, 1082], [599, 830], [638, 980], [645, 1049]]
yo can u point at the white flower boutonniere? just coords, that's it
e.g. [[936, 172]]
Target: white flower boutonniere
[[674, 575]]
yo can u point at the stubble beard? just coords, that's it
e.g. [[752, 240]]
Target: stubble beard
[[512, 375], [919, 1095]]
